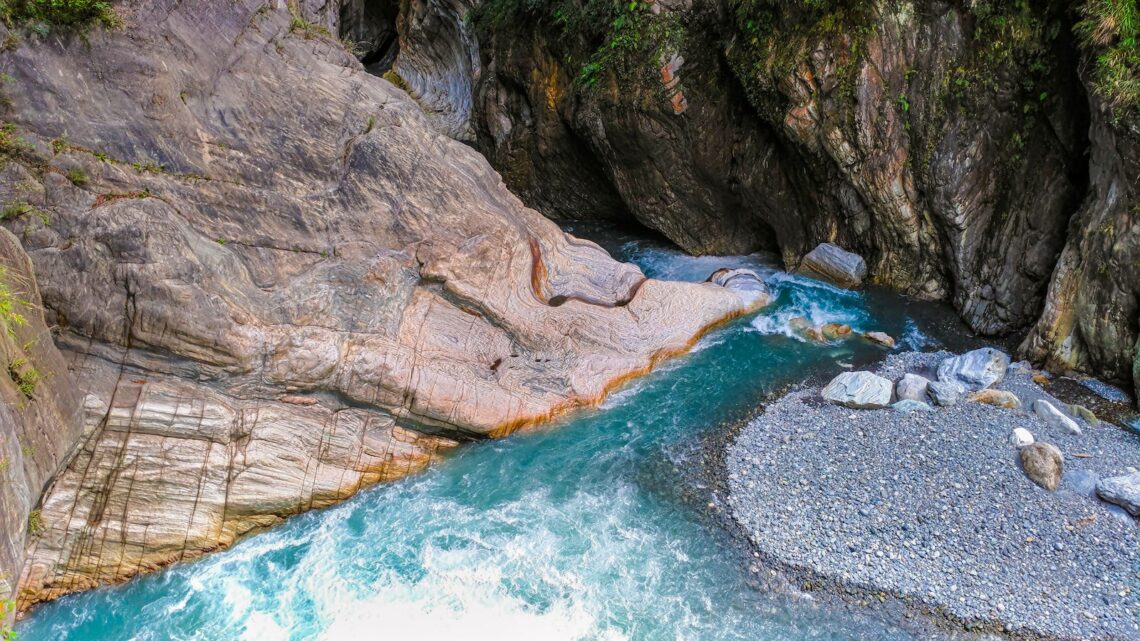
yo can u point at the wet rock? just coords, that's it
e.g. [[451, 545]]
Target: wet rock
[[745, 282], [1122, 490], [1054, 417], [835, 264], [975, 370], [944, 394], [804, 329], [1020, 437], [997, 398], [1043, 464], [861, 390], [880, 338], [835, 331], [912, 387], [906, 406]]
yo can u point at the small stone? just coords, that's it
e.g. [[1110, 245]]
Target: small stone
[[1020, 437], [912, 387], [975, 370], [1053, 416], [833, 263], [1043, 464], [880, 338], [1085, 413], [907, 406], [1122, 490], [997, 398], [1040, 379], [860, 390], [944, 394]]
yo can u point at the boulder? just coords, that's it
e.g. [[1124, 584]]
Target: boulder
[[1054, 417], [997, 398], [880, 338], [1043, 464], [906, 406], [1085, 413], [835, 331], [804, 329], [744, 282], [1020, 437], [975, 370], [860, 390], [912, 387], [944, 394], [1121, 490], [835, 264]]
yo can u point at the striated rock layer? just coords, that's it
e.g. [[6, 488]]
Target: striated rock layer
[[952, 145], [275, 283]]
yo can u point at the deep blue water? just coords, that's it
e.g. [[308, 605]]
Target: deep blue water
[[587, 529]]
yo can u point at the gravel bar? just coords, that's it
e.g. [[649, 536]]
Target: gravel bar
[[934, 509]]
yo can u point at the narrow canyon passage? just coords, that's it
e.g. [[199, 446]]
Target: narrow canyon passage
[[596, 527]]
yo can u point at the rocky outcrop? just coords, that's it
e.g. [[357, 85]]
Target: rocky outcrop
[[39, 414], [949, 144], [276, 282]]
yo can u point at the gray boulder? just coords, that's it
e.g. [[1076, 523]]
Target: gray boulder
[[742, 281], [1043, 464], [975, 370], [906, 406], [835, 264], [860, 390], [912, 387], [1054, 417], [944, 394], [1122, 490]]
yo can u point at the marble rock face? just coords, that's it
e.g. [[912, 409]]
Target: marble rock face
[[277, 282]]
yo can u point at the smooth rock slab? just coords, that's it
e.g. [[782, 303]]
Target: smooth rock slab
[[742, 281], [836, 264], [1054, 417], [912, 387], [1122, 490], [860, 390], [975, 370], [1043, 464]]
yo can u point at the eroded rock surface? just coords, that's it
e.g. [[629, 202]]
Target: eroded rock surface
[[277, 282]]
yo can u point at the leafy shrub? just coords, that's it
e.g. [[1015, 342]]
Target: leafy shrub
[[1111, 30], [74, 14]]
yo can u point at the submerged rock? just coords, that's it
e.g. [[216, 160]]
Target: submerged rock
[[1054, 417], [1043, 464], [912, 387], [1121, 490], [835, 331], [835, 264], [997, 398], [861, 390], [975, 370]]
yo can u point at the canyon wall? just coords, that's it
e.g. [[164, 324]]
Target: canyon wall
[[962, 148], [274, 282]]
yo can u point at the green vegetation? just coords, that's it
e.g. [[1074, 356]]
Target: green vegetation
[[146, 165], [77, 176], [7, 609], [10, 316], [1111, 29], [36, 522], [13, 211], [308, 30], [623, 37], [41, 15], [25, 376]]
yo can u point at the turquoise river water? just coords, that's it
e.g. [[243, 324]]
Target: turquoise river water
[[588, 529]]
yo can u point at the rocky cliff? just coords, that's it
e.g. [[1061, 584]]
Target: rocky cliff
[[275, 282], [39, 414], [977, 152]]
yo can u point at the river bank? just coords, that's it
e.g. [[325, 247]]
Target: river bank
[[933, 510]]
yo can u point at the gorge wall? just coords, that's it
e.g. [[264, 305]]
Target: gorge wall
[[273, 282], [978, 152]]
